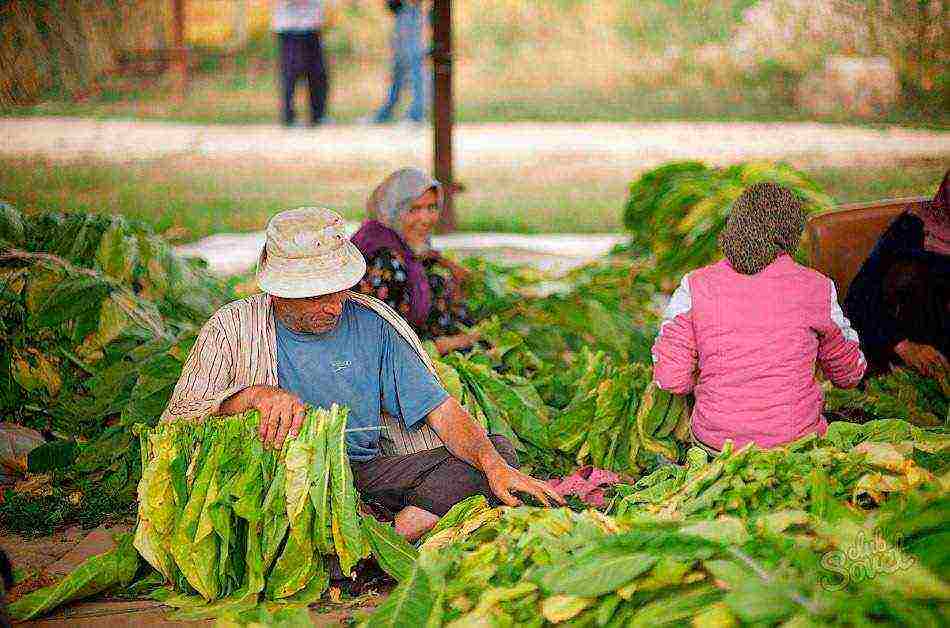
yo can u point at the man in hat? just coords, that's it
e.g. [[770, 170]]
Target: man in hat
[[309, 340]]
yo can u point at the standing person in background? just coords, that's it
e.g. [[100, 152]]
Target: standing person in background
[[408, 60], [297, 24]]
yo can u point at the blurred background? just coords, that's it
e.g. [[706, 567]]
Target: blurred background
[[708, 68]]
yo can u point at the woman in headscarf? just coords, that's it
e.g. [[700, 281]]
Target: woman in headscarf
[[900, 299], [744, 334], [402, 268]]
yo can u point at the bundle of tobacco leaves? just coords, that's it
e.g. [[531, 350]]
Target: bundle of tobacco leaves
[[618, 419], [853, 464], [806, 550], [677, 211], [97, 316], [901, 394], [228, 524]]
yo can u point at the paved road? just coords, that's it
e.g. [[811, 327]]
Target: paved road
[[636, 145]]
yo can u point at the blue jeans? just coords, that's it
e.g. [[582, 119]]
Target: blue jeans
[[408, 63]]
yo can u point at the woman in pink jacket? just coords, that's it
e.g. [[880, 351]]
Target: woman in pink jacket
[[745, 334]]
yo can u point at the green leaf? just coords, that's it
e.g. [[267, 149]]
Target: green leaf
[[393, 553], [115, 568], [415, 602], [345, 522], [596, 572]]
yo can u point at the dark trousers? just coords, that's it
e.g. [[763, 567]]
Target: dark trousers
[[301, 55], [433, 480]]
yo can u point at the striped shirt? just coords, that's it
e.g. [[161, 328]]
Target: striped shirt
[[237, 348]]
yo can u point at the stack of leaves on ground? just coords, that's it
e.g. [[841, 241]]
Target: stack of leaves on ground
[[228, 525], [676, 212], [818, 553], [609, 305], [97, 316], [901, 394], [595, 412], [856, 464]]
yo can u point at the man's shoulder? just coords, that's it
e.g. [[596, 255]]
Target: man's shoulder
[[241, 308]]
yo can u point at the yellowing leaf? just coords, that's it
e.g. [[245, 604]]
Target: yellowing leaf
[[560, 608]]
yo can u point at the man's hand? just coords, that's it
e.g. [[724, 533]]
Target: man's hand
[[924, 359], [467, 440], [505, 480], [282, 413]]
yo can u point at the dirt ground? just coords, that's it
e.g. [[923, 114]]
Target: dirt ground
[[42, 561]]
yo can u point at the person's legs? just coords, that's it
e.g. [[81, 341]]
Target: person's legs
[[417, 111], [318, 78], [414, 55], [422, 487], [397, 77], [916, 294], [454, 480], [289, 62]]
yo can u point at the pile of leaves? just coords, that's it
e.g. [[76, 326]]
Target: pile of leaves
[[593, 412], [227, 524], [676, 212], [859, 465], [97, 315], [794, 552], [610, 305], [618, 419], [901, 394]]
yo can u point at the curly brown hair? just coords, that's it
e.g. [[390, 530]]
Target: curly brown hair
[[766, 221]]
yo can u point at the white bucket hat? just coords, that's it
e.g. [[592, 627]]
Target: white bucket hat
[[307, 254]]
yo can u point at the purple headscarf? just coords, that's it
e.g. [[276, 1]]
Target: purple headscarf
[[393, 197]]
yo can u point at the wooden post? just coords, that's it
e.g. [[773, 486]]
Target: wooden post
[[179, 51], [443, 106]]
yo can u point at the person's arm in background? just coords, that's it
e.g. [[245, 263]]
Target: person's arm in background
[[876, 324], [839, 348], [675, 355], [447, 344]]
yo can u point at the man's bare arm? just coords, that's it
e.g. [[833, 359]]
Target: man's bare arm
[[468, 441]]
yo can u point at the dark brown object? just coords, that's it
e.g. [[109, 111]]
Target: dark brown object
[[444, 112], [179, 51], [432, 480], [838, 242]]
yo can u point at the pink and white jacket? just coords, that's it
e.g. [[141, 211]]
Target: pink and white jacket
[[747, 346]]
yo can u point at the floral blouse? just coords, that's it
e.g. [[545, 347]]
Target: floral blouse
[[386, 280]]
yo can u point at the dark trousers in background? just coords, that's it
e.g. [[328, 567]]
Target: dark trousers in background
[[301, 55]]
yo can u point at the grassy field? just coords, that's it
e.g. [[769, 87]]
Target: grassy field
[[516, 60], [189, 199]]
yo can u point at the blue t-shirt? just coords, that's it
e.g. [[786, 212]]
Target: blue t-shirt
[[363, 363]]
